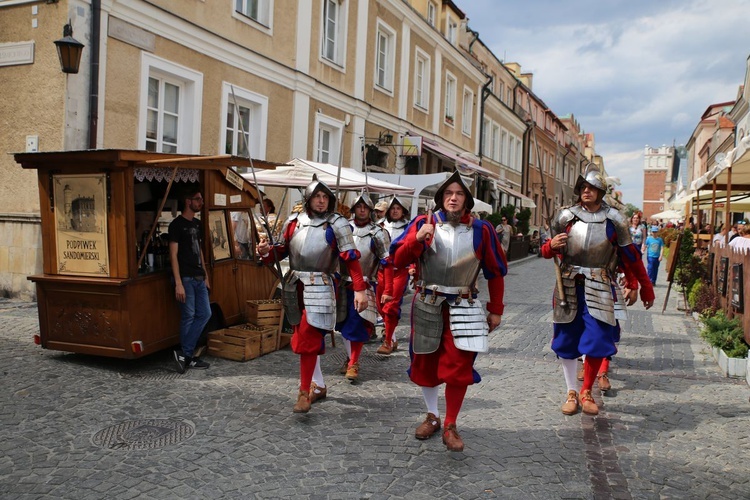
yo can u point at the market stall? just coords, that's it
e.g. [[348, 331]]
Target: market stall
[[106, 287]]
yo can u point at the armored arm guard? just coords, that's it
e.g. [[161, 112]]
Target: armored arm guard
[[621, 227], [563, 217], [381, 241], [342, 231]]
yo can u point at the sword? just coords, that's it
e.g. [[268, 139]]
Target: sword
[[257, 187]]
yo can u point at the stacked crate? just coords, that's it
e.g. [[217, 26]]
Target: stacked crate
[[259, 336]]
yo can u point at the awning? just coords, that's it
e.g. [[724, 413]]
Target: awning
[[525, 200], [298, 173], [464, 165], [668, 214]]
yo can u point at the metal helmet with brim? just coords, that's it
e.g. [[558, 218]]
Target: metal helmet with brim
[[396, 201], [593, 176], [455, 177], [314, 187]]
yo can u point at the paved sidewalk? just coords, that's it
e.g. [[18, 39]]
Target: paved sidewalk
[[80, 427]]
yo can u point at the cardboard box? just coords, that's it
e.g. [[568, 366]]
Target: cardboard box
[[264, 312]]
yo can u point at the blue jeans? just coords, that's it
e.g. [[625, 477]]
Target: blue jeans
[[196, 311], [653, 268]]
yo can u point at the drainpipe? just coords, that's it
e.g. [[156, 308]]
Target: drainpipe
[[476, 37], [96, 15]]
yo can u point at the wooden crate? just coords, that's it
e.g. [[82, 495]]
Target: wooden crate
[[267, 336], [234, 344], [264, 312], [284, 340]]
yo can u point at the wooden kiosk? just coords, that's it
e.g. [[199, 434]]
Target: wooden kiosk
[[97, 295]]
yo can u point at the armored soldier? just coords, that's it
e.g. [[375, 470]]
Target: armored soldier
[[449, 326], [592, 240], [372, 242], [314, 240], [394, 279]]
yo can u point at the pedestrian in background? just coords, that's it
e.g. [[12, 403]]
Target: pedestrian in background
[[190, 279], [654, 253]]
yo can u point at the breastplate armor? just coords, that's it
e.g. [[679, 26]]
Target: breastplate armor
[[588, 245], [450, 265], [395, 228], [364, 241], [308, 248], [589, 253]]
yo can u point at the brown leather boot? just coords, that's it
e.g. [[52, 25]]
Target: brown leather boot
[[570, 407], [386, 348], [451, 439], [344, 367], [428, 428], [317, 393], [603, 381], [303, 402], [588, 405], [352, 373]]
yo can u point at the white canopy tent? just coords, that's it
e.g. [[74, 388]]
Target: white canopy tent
[[298, 173], [668, 214], [424, 186]]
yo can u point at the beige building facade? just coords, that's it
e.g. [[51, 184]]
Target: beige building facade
[[336, 81]]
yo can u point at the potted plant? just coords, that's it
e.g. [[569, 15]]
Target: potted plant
[[727, 340]]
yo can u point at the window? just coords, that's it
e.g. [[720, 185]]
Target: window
[[431, 14], [486, 147], [505, 148], [329, 133], [170, 108], [466, 112], [257, 10], [495, 152], [450, 98], [384, 60], [252, 117], [334, 31], [451, 31], [500, 90], [421, 80]]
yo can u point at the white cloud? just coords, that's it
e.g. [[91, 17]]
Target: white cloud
[[641, 73]]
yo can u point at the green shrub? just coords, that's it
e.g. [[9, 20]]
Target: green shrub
[[693, 294], [724, 333], [706, 301]]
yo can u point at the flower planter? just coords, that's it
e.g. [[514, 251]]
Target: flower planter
[[732, 367]]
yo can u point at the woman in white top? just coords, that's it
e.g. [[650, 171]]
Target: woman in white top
[[637, 232], [743, 241]]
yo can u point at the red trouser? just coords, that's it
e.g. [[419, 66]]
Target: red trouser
[[448, 364]]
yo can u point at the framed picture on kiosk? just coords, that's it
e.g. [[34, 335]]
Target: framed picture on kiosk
[[721, 281], [80, 204], [217, 225], [738, 298]]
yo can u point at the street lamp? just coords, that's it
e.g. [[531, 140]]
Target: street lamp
[[69, 50]]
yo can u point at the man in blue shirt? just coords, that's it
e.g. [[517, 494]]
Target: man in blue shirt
[[654, 253]]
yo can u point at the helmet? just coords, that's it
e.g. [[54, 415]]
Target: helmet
[[455, 177], [593, 176], [364, 198], [316, 186], [395, 201]]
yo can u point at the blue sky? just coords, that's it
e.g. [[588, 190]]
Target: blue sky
[[634, 73]]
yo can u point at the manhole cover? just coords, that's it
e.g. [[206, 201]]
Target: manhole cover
[[144, 434]]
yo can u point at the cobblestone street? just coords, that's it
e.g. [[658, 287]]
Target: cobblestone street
[[672, 427]]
